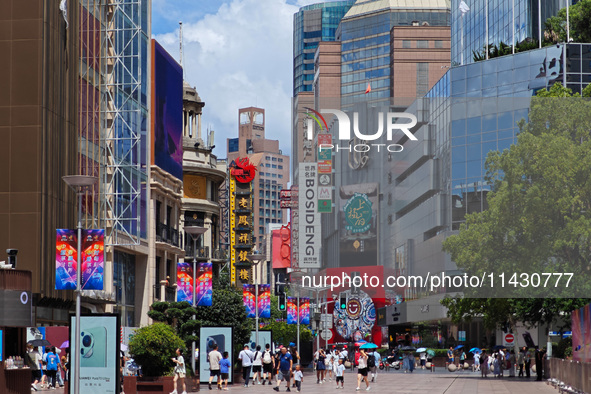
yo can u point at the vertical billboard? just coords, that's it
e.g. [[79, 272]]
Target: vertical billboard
[[358, 224], [265, 301], [293, 311], [305, 311], [184, 282], [581, 329], [281, 247], [203, 284], [208, 338], [99, 353], [309, 218], [248, 297], [92, 258], [167, 112]]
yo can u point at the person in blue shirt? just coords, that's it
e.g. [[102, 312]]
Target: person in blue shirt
[[225, 365], [52, 362], [284, 368]]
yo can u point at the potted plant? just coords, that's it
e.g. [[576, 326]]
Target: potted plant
[[153, 348]]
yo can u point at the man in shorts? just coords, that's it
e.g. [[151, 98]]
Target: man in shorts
[[214, 357], [285, 368], [267, 364]]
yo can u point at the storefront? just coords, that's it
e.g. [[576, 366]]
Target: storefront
[[15, 316]]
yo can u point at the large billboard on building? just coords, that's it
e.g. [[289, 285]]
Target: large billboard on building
[[281, 247], [309, 218], [167, 112], [358, 224]]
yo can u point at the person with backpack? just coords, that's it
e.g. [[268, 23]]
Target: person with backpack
[[52, 362], [267, 364], [373, 362], [257, 365], [33, 358]]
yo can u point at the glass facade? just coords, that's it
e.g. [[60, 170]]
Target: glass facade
[[500, 24], [365, 49], [124, 283], [312, 24]]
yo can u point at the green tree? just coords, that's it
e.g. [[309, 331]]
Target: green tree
[[580, 28], [153, 347], [539, 209]]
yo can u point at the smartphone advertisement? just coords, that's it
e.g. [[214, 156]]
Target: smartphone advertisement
[[203, 286], [184, 282], [209, 337], [92, 256], [99, 353]]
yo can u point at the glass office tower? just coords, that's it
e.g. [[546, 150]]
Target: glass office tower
[[312, 24], [365, 36], [500, 24]]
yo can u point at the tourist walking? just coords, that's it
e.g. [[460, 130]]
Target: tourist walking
[[511, 363], [246, 356], [362, 371], [320, 366], [225, 366], [298, 378], [284, 369], [267, 364], [257, 365], [521, 361], [179, 372], [213, 358]]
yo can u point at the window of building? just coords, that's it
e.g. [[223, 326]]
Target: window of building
[[280, 176], [267, 157], [438, 44], [422, 79], [274, 159], [274, 166], [405, 43], [422, 44], [280, 160], [280, 167], [267, 165]]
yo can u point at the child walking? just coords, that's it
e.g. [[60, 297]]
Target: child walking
[[298, 377], [225, 365], [339, 373]]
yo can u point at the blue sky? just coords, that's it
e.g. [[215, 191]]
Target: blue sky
[[237, 53]]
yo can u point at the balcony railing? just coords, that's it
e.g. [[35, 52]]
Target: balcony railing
[[165, 233], [219, 254], [169, 293], [202, 252]]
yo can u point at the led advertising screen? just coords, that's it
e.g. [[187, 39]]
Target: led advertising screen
[[265, 301], [99, 353], [66, 257], [184, 282], [248, 296], [304, 311], [203, 285], [93, 259], [208, 337], [167, 112]]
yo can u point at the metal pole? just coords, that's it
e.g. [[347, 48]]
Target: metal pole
[[298, 330], [325, 325], [78, 290], [462, 50], [567, 24], [540, 23], [256, 302], [194, 279], [318, 328], [513, 23]]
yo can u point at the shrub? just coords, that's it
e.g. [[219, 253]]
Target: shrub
[[153, 347]]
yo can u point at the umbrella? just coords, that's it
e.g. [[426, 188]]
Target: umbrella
[[361, 342], [421, 349], [499, 347], [431, 352], [368, 345], [408, 348], [65, 345], [458, 347], [475, 350], [39, 342], [123, 347]]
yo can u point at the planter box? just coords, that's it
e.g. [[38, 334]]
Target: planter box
[[162, 384]]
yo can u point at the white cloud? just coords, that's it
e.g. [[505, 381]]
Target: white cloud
[[240, 56]]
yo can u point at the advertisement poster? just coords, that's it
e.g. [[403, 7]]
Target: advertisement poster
[[203, 286], [249, 299], [292, 310], [65, 259], [265, 301], [99, 353], [208, 338], [304, 311], [184, 282], [93, 259], [581, 328], [264, 339]]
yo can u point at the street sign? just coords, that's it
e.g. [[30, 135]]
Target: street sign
[[326, 334], [508, 340], [326, 319]]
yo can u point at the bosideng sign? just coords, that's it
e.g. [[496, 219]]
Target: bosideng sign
[[309, 218], [344, 130]]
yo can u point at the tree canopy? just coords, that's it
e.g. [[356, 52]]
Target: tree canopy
[[580, 28]]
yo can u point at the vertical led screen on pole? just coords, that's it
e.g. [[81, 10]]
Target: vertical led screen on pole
[[92, 258], [203, 284], [167, 112], [242, 173], [248, 297], [184, 281], [265, 301]]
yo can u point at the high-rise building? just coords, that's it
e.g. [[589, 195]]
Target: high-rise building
[[505, 17], [272, 173]]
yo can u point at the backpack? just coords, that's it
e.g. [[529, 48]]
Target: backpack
[[371, 361], [267, 357]]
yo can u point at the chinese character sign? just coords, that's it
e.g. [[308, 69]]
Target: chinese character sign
[[265, 301], [242, 172], [203, 285], [184, 282], [65, 259], [248, 295], [93, 259]]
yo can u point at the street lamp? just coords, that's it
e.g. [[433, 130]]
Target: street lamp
[[80, 184], [256, 259], [195, 232]]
